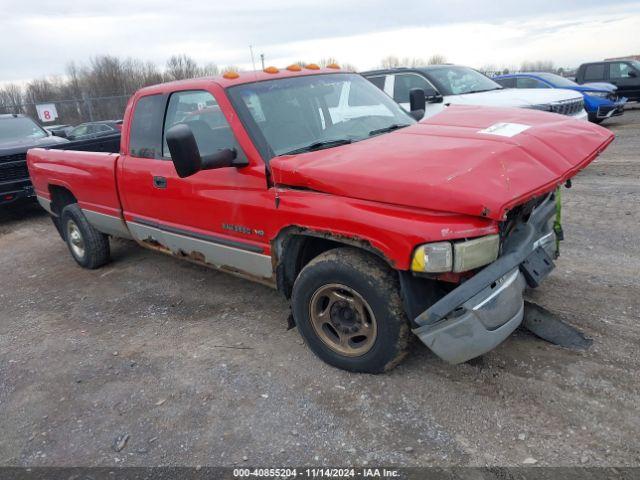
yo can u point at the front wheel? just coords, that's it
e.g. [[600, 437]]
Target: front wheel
[[88, 247], [347, 306]]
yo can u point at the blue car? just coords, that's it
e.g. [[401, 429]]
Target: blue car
[[600, 100]]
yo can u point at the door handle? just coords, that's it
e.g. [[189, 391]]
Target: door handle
[[159, 182]]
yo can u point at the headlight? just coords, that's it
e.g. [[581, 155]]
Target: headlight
[[598, 94], [458, 256]]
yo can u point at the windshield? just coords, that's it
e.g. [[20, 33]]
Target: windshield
[[19, 128], [556, 80], [460, 80], [300, 114], [636, 64]]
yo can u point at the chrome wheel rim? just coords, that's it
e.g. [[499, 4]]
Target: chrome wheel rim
[[76, 242], [343, 320]]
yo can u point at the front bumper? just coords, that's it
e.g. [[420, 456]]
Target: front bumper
[[10, 192], [483, 311], [612, 110]]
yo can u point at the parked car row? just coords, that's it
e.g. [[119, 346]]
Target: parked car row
[[375, 218], [600, 99], [86, 130]]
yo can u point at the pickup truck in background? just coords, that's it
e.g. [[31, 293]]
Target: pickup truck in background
[[19, 133], [446, 85], [624, 74], [371, 223]]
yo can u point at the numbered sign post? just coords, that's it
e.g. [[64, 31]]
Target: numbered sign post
[[47, 112]]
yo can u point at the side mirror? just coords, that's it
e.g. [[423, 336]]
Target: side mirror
[[186, 155], [432, 96], [417, 103], [632, 74]]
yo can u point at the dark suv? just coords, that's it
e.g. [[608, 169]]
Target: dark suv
[[19, 133], [624, 74]]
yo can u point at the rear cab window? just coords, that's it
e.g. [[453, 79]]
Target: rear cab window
[[145, 136]]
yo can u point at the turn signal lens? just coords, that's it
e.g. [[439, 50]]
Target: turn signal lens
[[433, 258], [230, 75], [271, 70], [312, 66], [294, 68]]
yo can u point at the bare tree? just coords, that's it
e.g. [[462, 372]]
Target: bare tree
[[11, 99], [537, 66], [180, 67], [437, 59]]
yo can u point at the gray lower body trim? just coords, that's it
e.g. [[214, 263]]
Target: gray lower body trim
[[45, 203], [221, 256], [107, 224]]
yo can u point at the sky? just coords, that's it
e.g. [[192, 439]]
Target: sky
[[40, 37]]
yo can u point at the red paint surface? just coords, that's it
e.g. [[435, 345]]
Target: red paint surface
[[428, 182]]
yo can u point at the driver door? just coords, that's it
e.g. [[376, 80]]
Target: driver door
[[215, 216]]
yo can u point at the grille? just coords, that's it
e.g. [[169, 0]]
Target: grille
[[569, 107], [13, 167]]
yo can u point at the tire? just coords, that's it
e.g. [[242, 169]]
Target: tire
[[594, 119], [88, 247], [346, 292]]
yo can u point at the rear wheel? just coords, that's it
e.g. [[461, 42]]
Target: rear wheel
[[347, 306], [88, 247]]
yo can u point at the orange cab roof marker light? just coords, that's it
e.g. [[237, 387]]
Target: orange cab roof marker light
[[294, 68], [312, 66], [271, 70], [230, 75], [334, 65]]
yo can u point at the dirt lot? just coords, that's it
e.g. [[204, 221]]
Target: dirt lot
[[197, 367]]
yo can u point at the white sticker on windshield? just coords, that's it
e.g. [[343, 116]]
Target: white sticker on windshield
[[505, 129]]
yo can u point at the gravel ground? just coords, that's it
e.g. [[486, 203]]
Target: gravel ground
[[197, 367]]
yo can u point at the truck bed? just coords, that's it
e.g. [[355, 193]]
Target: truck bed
[[91, 176]]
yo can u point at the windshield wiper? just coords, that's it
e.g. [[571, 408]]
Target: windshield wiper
[[390, 128], [485, 90], [320, 145]]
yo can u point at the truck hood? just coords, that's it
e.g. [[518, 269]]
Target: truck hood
[[609, 87], [478, 161], [23, 144], [513, 97]]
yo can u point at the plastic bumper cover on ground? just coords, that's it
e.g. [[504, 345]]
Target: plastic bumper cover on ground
[[483, 311]]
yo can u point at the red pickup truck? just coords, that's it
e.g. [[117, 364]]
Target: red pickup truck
[[315, 182]]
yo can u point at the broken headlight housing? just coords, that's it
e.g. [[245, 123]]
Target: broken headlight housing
[[458, 256]]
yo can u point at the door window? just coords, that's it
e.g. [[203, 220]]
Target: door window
[[619, 71], [594, 72], [528, 82], [200, 110], [406, 82]]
